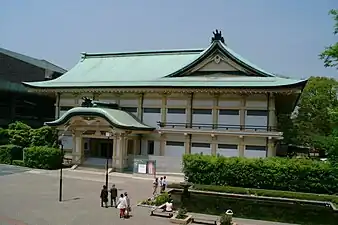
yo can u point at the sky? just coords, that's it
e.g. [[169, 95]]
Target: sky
[[281, 36]]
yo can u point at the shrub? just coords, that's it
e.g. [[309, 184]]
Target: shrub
[[19, 134], [18, 162], [4, 137], [158, 200], [44, 136], [262, 192], [43, 157], [8, 153], [301, 175]]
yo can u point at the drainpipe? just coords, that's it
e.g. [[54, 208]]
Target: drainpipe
[[191, 118], [267, 128]]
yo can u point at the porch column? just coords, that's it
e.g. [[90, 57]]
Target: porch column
[[162, 145], [118, 150], [214, 145], [78, 151], [125, 152], [242, 112], [215, 111], [271, 109], [241, 146], [187, 144], [271, 148], [164, 109]]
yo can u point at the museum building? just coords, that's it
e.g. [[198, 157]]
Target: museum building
[[162, 104]]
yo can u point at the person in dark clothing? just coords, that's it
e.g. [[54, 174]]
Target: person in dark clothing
[[104, 196], [113, 195]]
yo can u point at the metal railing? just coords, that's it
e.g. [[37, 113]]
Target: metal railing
[[216, 126]]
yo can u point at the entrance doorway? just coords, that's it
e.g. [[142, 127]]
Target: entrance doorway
[[99, 148]]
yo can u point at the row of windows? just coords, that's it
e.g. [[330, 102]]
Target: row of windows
[[232, 112], [220, 146]]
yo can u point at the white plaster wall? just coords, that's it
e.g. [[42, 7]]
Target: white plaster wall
[[176, 118], [67, 101], [152, 102], [229, 103], [259, 122], [129, 102], [254, 154], [151, 119], [229, 120], [157, 145], [174, 151], [144, 147], [199, 150], [176, 102], [203, 102], [256, 103], [227, 152], [205, 119]]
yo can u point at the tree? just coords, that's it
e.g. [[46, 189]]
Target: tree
[[330, 54], [314, 118]]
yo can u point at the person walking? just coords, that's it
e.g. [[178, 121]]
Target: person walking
[[128, 208], [122, 205], [164, 183], [161, 184], [113, 196], [104, 196], [155, 186]]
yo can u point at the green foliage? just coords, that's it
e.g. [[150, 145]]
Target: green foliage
[[5, 154], [18, 162], [330, 54], [43, 157], [158, 200], [44, 136], [19, 134], [261, 192], [181, 213], [8, 153], [4, 137], [225, 219], [300, 175]]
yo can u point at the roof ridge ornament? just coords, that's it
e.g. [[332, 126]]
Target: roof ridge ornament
[[217, 36]]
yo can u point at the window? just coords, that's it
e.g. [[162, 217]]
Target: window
[[227, 146], [255, 148], [130, 109], [230, 112], [175, 143], [257, 112], [202, 111], [176, 111], [152, 110], [151, 147], [200, 145]]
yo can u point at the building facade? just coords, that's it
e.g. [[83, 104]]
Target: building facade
[[16, 103], [160, 105]]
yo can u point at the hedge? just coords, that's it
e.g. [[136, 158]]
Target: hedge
[[43, 157], [297, 175], [18, 163], [8, 153], [261, 192]]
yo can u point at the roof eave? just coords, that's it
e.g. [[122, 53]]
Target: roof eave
[[66, 117]]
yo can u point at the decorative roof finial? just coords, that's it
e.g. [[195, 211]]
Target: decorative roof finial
[[217, 36]]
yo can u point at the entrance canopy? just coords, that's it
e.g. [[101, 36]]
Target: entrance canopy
[[115, 117]]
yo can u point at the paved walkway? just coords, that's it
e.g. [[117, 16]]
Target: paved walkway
[[30, 197]]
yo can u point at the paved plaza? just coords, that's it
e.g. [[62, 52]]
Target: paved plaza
[[30, 197]]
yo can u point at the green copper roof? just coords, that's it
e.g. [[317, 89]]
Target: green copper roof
[[160, 69], [186, 82], [117, 118]]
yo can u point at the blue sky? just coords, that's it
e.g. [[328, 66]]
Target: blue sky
[[281, 36]]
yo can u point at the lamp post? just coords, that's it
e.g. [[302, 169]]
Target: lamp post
[[60, 187], [108, 134]]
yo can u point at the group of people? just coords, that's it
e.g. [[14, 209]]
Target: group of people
[[122, 203], [162, 183]]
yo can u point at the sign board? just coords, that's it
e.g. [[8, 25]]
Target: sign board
[[144, 166]]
